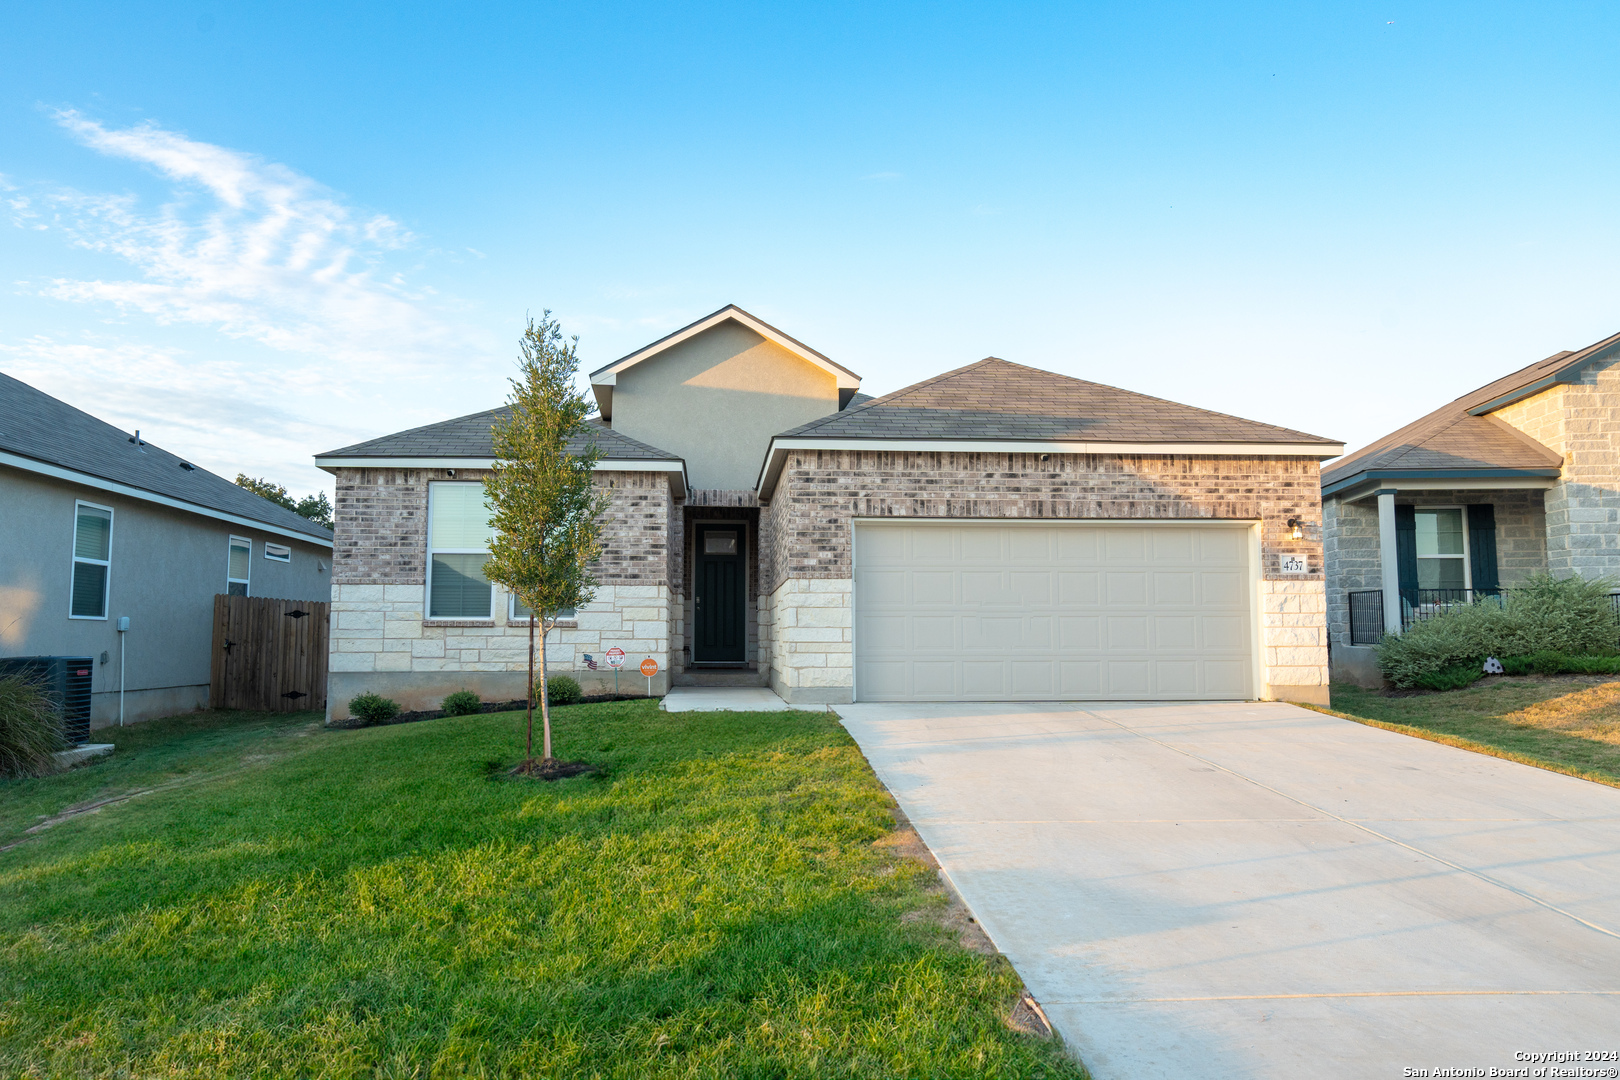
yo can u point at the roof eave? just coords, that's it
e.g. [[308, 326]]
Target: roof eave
[[1439, 479], [606, 376], [675, 467], [115, 487], [1569, 373]]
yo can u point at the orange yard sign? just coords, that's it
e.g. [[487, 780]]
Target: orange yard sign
[[649, 667]]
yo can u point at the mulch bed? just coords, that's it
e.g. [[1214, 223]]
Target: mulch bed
[[549, 769], [485, 707]]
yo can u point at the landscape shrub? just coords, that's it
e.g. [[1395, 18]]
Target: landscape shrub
[[1570, 615], [30, 729], [563, 690], [461, 703], [1547, 662], [1454, 677], [373, 708]]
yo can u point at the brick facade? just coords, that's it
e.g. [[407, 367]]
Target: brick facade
[[383, 641], [810, 519]]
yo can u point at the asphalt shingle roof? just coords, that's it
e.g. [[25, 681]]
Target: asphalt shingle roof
[[37, 426], [995, 399], [1452, 438], [471, 437]]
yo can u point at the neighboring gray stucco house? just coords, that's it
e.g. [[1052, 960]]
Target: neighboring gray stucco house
[[1519, 476], [995, 533], [96, 525]]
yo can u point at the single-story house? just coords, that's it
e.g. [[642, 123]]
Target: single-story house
[[98, 525], [994, 533], [1519, 476]]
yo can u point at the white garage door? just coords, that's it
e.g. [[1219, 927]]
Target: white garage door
[[998, 612]]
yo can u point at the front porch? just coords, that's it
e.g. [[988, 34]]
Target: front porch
[[1398, 551]]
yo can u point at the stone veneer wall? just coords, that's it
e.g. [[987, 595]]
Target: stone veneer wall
[[1351, 552], [810, 523], [1581, 421], [382, 641]]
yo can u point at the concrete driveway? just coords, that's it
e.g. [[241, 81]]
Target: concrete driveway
[[1257, 890]]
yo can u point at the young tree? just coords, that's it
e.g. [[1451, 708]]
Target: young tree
[[545, 508]]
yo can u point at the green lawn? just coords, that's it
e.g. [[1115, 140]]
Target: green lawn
[[290, 901], [1567, 723]]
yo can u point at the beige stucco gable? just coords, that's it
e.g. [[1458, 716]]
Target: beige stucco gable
[[716, 399]]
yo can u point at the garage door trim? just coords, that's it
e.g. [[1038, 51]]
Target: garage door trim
[[1253, 568]]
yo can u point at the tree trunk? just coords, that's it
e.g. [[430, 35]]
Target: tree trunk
[[545, 697], [528, 742]]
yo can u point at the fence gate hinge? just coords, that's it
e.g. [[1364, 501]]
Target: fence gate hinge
[[296, 614], [294, 694]]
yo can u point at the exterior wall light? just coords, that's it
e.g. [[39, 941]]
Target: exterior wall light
[[1296, 529]]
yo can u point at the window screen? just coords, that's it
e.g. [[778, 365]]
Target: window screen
[[458, 547], [92, 561]]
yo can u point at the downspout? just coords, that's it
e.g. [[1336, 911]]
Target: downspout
[[123, 629]]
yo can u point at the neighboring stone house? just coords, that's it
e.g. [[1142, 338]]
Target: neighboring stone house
[[994, 533], [1519, 476], [98, 525]]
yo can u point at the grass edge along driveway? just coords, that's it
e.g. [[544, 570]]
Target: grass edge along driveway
[[1564, 724], [287, 900]]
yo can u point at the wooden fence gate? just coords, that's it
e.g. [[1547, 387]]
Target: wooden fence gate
[[269, 654]]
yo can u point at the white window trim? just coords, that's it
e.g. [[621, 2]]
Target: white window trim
[[514, 619], [1467, 554], [246, 582], [286, 557], [73, 551], [427, 592]]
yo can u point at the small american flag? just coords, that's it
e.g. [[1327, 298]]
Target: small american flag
[[590, 661]]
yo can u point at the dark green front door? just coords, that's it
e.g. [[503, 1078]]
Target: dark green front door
[[719, 600]]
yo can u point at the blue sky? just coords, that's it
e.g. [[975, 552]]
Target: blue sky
[[258, 231]]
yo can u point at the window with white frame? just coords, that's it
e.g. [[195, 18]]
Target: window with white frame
[[238, 565], [520, 613], [278, 552], [1442, 548], [92, 560], [458, 547]]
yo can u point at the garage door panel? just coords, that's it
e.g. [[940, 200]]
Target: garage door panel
[[1079, 633], [1076, 588], [1124, 545], [1127, 633], [1127, 587], [933, 587], [1175, 588], [927, 631], [997, 612], [1172, 545], [1221, 588], [1076, 545], [1175, 632]]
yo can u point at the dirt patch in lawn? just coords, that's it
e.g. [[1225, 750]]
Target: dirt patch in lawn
[[549, 769], [1591, 714]]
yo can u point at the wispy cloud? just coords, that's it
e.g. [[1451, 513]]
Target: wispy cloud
[[263, 255], [275, 258]]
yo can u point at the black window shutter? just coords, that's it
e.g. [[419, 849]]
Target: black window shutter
[[1482, 547], [1406, 547]]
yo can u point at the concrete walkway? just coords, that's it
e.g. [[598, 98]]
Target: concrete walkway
[[1257, 890], [717, 698]]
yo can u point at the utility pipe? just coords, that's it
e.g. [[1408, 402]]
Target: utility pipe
[[123, 628]]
